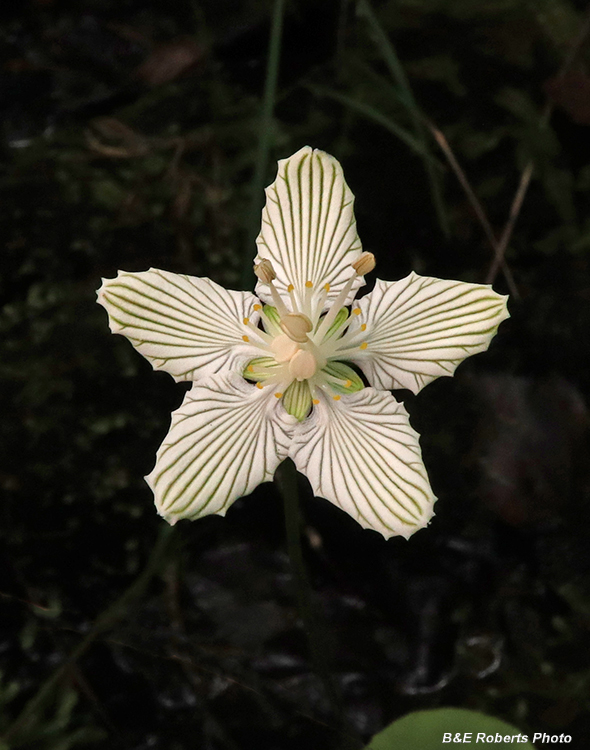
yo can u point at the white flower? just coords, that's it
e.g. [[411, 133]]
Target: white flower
[[275, 376]]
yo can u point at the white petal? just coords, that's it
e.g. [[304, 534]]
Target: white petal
[[308, 227], [187, 326], [361, 453], [420, 328], [225, 439]]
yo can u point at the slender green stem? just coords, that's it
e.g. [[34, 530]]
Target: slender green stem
[[316, 631], [265, 138], [319, 649], [30, 713]]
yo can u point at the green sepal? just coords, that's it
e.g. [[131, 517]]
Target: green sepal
[[339, 321], [344, 372], [273, 318], [260, 369], [297, 399]]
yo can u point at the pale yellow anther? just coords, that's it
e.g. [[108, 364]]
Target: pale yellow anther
[[259, 385], [250, 368], [257, 307], [356, 311], [290, 288], [303, 365], [245, 338], [316, 401], [348, 384], [364, 327], [364, 264], [363, 345], [308, 284], [327, 287], [296, 326], [278, 395], [336, 398], [265, 271], [246, 321]]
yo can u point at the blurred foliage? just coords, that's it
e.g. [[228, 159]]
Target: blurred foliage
[[128, 139]]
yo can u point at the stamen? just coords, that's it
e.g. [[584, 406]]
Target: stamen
[[276, 298], [270, 319], [336, 398], [320, 303], [308, 298], [296, 326], [265, 271], [363, 345], [291, 290], [267, 275], [338, 303], [278, 395], [364, 264], [315, 401], [261, 338]]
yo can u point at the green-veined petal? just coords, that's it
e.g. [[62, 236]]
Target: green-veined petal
[[420, 328], [187, 326], [361, 453], [225, 439], [308, 227]]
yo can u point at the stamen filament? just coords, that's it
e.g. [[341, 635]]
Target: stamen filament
[[258, 332], [308, 298], [333, 311], [321, 301], [276, 298], [269, 325], [291, 290]]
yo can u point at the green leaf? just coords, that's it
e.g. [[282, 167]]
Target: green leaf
[[426, 730]]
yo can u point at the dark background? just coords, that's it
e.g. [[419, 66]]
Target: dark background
[[128, 139]]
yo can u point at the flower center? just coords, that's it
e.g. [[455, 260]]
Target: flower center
[[303, 345]]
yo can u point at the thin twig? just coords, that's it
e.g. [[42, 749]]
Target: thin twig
[[500, 249], [477, 207], [527, 172]]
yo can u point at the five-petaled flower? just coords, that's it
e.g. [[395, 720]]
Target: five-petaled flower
[[278, 375]]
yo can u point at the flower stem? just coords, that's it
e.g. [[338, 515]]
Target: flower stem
[[317, 636]]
